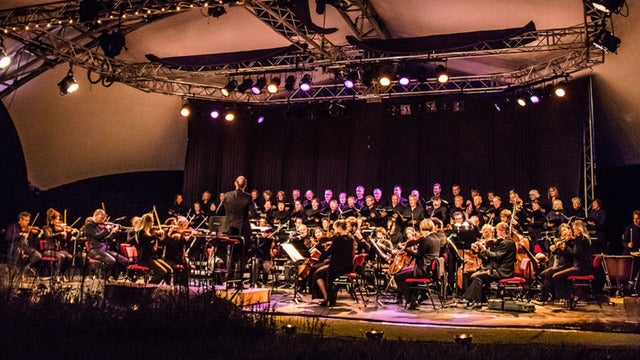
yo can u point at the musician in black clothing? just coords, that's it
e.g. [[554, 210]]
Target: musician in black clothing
[[178, 208], [493, 214], [379, 201], [369, 212], [239, 209], [342, 201], [340, 256], [436, 210], [208, 206], [298, 211], [98, 235], [579, 250], [576, 211], [597, 221], [308, 197], [500, 262], [280, 215], [428, 250], [220, 211], [458, 206], [328, 196], [631, 236], [333, 212], [556, 216], [313, 215], [535, 220], [560, 260], [413, 214], [198, 215], [437, 190], [147, 242], [359, 200], [397, 190], [22, 239]]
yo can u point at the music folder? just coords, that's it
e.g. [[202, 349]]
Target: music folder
[[292, 252]]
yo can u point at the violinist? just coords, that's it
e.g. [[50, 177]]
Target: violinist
[[176, 240], [500, 264], [428, 250], [98, 234], [578, 250], [340, 255], [561, 260], [56, 233], [148, 239], [22, 238]]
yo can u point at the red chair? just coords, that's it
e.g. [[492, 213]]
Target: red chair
[[354, 281], [51, 260], [513, 285], [94, 263], [131, 253], [424, 285], [582, 286]]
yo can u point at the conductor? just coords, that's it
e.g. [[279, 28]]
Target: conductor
[[239, 208]]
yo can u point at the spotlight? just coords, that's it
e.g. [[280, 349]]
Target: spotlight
[[216, 10], [272, 88], [256, 89], [305, 83], [260, 119], [560, 90], [404, 80], [290, 83], [215, 114], [607, 41], [441, 74], [463, 339], [289, 329], [246, 85], [230, 116], [68, 84], [534, 98], [384, 80], [374, 335], [5, 60], [185, 110], [608, 6], [351, 79], [521, 101], [227, 89]]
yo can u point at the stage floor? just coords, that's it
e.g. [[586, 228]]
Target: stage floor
[[616, 324]]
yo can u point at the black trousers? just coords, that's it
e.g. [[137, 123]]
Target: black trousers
[[562, 286], [475, 291], [114, 262]]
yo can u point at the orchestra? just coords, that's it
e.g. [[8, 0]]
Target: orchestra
[[480, 245]]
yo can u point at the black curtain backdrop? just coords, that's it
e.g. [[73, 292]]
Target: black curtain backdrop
[[309, 146]]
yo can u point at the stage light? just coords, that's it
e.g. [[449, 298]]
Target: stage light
[[374, 335], [608, 6], [290, 83], [227, 89], [260, 119], [185, 110], [521, 101], [560, 90], [607, 41], [289, 329], [463, 339], [68, 84], [404, 80], [215, 114], [5, 60], [246, 85], [351, 79], [230, 116], [256, 89], [273, 86], [441, 74], [534, 98], [305, 83], [384, 80]]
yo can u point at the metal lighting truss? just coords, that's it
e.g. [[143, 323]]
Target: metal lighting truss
[[570, 50]]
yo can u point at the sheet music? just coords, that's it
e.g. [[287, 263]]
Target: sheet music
[[293, 253]]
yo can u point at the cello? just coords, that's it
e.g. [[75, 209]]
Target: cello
[[314, 257]]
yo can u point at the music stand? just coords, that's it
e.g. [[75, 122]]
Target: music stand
[[297, 258], [453, 249]]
